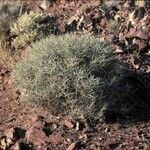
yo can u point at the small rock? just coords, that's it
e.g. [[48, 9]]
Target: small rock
[[107, 130], [34, 118], [39, 124], [55, 139], [69, 123], [72, 146], [13, 135], [93, 147], [45, 5], [83, 137], [9, 141], [68, 140], [54, 126], [77, 126], [36, 136], [3, 144], [10, 133], [119, 50], [81, 125], [16, 146], [134, 33]]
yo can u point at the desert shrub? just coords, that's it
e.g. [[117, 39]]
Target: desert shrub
[[26, 23], [24, 39], [25, 29], [31, 27], [69, 74]]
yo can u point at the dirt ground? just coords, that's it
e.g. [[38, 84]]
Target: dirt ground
[[17, 114]]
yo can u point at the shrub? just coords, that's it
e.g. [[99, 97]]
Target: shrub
[[24, 39], [26, 23], [25, 29], [31, 27], [69, 74]]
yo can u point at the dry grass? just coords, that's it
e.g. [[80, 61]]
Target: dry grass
[[9, 11], [4, 28]]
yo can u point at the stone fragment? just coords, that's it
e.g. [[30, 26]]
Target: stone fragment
[[69, 123], [45, 5], [55, 139], [72, 146], [36, 136]]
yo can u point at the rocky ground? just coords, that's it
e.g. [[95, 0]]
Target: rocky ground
[[24, 127]]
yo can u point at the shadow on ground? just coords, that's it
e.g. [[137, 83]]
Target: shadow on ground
[[135, 106]]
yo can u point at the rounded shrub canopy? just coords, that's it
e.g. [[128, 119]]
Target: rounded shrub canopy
[[68, 74]]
